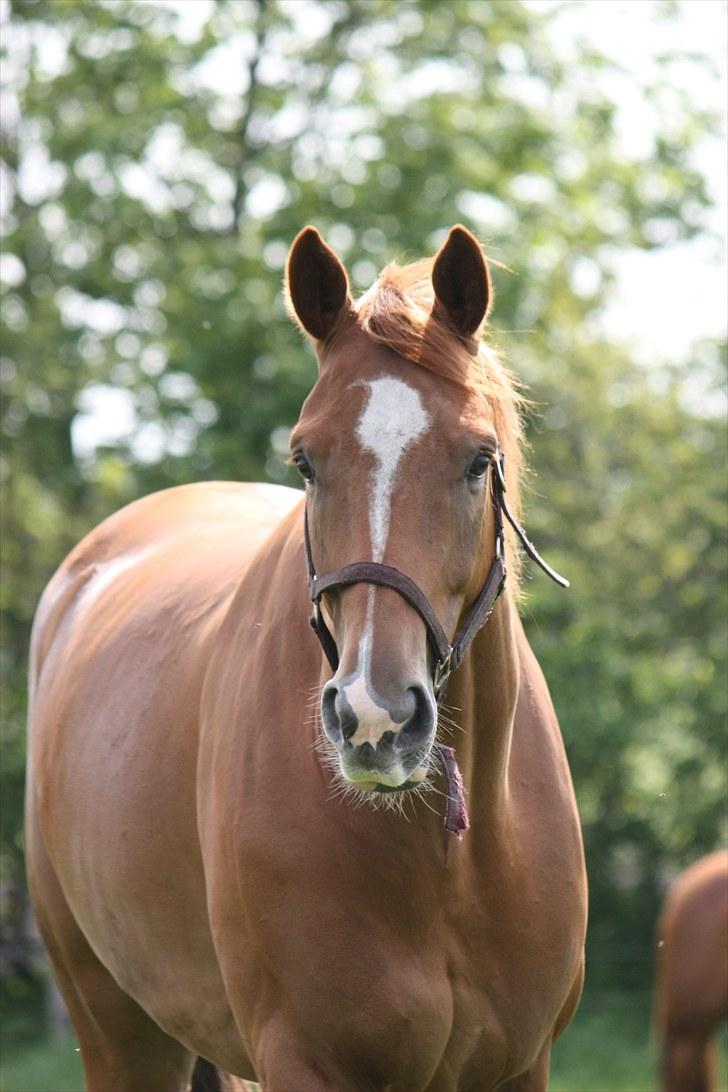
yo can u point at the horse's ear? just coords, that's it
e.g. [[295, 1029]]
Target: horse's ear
[[461, 281], [317, 287]]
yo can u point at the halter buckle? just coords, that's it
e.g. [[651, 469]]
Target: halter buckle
[[443, 669]]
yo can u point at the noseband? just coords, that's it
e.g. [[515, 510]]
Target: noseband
[[447, 656]]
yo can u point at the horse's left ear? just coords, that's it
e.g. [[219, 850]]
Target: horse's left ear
[[461, 281], [317, 287]]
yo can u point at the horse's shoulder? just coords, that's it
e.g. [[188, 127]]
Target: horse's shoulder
[[197, 532]]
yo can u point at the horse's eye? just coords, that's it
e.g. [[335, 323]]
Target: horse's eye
[[303, 466], [479, 466]]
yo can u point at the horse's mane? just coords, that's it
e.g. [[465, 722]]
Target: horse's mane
[[397, 312]]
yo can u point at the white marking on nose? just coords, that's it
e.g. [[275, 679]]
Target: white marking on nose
[[391, 420], [372, 720]]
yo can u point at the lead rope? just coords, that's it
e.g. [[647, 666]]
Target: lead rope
[[457, 819]]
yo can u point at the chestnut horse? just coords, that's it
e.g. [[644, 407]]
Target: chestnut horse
[[692, 975], [238, 856]]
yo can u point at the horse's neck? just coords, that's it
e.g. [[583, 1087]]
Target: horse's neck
[[483, 706]]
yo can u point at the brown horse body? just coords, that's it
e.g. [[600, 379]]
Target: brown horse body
[[692, 983], [201, 889]]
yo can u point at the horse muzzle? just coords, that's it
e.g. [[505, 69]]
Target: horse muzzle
[[382, 745]]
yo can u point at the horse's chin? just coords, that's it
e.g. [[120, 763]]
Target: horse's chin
[[413, 781], [406, 786]]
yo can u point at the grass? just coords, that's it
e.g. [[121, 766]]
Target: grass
[[606, 1049], [51, 1066], [610, 1047]]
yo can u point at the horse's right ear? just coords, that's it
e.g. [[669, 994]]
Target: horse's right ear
[[317, 287], [461, 282]]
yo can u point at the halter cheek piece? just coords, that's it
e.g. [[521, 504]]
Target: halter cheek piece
[[447, 657]]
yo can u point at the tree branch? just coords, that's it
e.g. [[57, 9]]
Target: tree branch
[[245, 150]]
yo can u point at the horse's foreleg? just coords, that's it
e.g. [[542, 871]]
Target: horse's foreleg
[[289, 1070], [710, 1064], [122, 1049], [688, 1063], [285, 1061], [535, 1079]]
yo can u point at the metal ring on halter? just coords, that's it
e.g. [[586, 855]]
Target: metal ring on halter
[[441, 675]]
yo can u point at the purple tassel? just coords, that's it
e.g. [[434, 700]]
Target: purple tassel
[[456, 815]]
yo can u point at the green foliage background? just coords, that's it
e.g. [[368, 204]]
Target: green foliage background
[[149, 204]]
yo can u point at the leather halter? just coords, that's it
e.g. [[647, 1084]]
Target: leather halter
[[447, 656]]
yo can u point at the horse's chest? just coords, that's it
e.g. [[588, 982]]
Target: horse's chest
[[499, 1013], [511, 965]]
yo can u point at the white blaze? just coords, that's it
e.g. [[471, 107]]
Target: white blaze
[[392, 419]]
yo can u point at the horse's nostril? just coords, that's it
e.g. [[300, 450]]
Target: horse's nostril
[[347, 720], [329, 715], [338, 718], [420, 724], [407, 706]]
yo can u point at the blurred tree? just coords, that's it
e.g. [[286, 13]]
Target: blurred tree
[[635, 655], [158, 160]]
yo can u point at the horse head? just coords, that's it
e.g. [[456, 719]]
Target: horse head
[[394, 444]]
